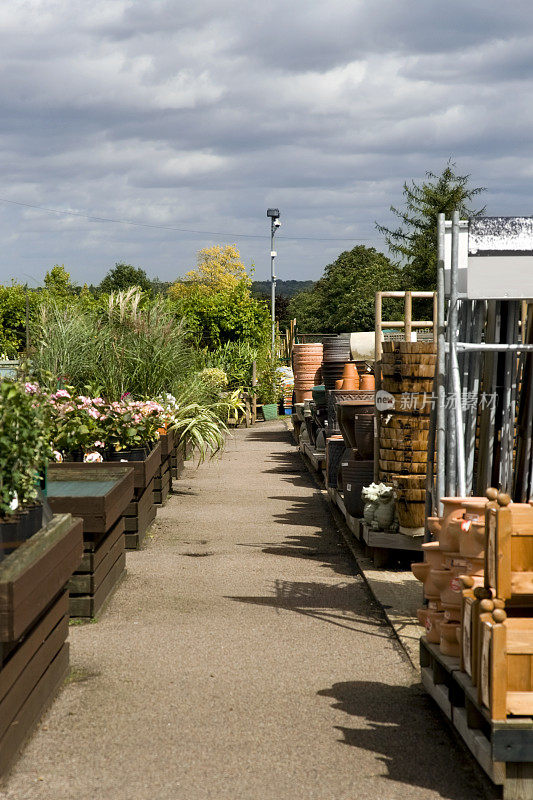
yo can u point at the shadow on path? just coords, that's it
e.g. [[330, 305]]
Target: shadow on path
[[407, 735], [335, 604]]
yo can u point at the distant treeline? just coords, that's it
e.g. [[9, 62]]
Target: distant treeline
[[283, 288]]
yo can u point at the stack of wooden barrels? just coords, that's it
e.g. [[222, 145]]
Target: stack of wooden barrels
[[408, 370], [306, 361]]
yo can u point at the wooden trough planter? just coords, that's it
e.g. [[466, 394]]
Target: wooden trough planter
[[99, 494], [34, 656], [177, 461], [163, 476], [141, 511]]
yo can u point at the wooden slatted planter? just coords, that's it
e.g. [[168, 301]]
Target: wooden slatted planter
[[138, 516], [99, 494], [34, 614]]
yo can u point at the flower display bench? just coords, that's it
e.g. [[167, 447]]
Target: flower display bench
[[99, 495], [34, 615]]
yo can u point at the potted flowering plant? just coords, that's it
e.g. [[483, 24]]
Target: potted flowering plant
[[24, 452], [75, 423], [132, 427]]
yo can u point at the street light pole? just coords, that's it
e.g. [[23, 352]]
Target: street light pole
[[273, 213]]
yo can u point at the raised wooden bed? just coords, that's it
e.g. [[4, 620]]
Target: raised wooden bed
[[162, 483], [99, 494], [138, 516], [34, 628], [177, 461], [33, 575]]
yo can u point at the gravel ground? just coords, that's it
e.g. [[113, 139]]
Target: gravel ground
[[243, 657]]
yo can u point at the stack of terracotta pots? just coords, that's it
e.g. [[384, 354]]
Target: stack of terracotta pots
[[306, 362], [458, 550]]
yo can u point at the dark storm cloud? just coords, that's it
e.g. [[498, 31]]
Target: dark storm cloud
[[202, 114]]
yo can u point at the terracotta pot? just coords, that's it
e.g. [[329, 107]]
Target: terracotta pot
[[350, 371], [449, 646], [420, 570], [433, 554], [367, 381], [434, 526], [472, 540], [449, 535], [453, 509], [452, 613], [422, 614], [475, 508], [338, 384], [300, 396], [349, 384], [434, 620]]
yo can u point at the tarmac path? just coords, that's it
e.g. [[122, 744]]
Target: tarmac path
[[243, 658]]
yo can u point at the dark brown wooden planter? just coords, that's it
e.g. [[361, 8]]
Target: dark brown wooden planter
[[177, 461], [99, 494], [34, 628], [168, 443], [33, 575], [138, 516]]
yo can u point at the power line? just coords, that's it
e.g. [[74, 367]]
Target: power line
[[180, 230]]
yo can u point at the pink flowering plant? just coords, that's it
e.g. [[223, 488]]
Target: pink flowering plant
[[76, 421], [133, 423]]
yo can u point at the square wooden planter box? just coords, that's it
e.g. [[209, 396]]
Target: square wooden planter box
[[162, 482], [34, 628], [177, 461], [138, 516], [99, 494], [168, 443]]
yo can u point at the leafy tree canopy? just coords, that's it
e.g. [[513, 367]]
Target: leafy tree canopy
[[343, 299], [57, 281], [413, 242], [124, 276], [219, 269]]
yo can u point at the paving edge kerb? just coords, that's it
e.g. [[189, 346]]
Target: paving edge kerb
[[397, 593]]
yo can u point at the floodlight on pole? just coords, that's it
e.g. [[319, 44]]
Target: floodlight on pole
[[273, 213]]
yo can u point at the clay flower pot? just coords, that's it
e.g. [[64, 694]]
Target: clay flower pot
[[453, 509], [472, 539], [350, 372], [434, 526], [420, 570], [449, 536], [338, 384], [452, 613], [449, 646], [367, 382], [349, 384], [433, 554], [475, 508], [434, 621], [422, 614]]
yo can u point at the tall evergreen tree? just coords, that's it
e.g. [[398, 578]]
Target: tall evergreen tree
[[413, 242]]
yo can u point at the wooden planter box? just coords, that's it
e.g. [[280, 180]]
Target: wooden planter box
[[34, 574], [138, 517], [168, 443], [34, 628], [162, 483], [99, 494], [177, 462]]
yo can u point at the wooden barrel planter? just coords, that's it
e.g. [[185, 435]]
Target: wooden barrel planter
[[99, 495], [410, 491], [34, 656]]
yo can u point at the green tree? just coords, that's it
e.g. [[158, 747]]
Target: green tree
[[57, 282], [343, 299], [13, 318], [413, 242], [123, 276]]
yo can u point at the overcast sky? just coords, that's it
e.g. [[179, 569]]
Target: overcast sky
[[199, 115]]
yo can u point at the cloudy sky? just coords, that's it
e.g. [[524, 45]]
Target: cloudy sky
[[200, 115]]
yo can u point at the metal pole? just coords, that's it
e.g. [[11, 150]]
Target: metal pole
[[441, 369], [459, 444], [273, 279]]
